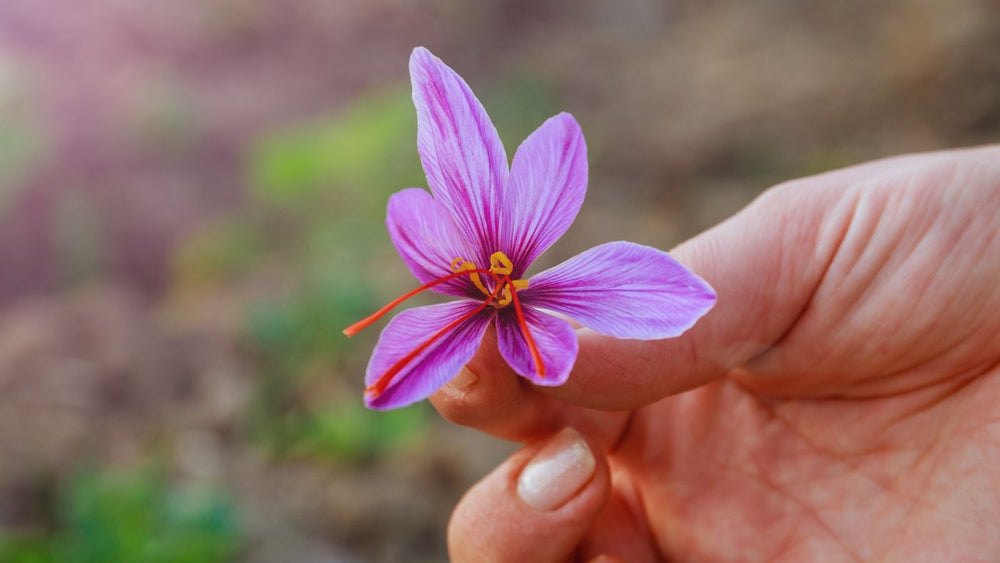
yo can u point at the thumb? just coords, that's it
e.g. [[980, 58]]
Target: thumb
[[537, 506], [764, 263]]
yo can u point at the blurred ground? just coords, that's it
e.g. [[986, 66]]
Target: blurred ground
[[191, 208]]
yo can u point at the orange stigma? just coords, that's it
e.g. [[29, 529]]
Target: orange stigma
[[370, 320], [382, 383], [539, 366], [503, 293]]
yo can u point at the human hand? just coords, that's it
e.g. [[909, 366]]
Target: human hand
[[839, 403]]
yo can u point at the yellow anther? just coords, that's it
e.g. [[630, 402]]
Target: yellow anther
[[459, 264], [505, 296], [500, 264]]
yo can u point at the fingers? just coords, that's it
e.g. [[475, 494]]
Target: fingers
[[764, 263], [487, 395], [618, 534], [537, 506], [490, 397]]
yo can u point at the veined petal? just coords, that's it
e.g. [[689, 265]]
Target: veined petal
[[548, 181], [460, 150], [625, 290], [554, 338], [438, 363], [427, 239]]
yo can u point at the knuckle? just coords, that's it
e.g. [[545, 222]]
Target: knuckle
[[461, 402]]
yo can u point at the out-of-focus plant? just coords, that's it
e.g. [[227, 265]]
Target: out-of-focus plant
[[289, 339], [21, 143], [132, 516], [78, 238], [340, 159]]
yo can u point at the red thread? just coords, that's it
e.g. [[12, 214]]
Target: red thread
[[368, 321], [539, 366], [382, 383]]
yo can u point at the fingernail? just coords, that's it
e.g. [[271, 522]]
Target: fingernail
[[557, 472], [464, 380]]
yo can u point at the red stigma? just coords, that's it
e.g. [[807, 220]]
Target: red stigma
[[370, 320], [382, 383], [539, 366], [504, 287]]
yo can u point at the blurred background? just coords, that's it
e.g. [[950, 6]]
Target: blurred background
[[192, 201]]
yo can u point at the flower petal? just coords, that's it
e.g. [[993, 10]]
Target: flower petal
[[625, 290], [548, 181], [427, 239], [554, 338], [463, 158], [436, 365]]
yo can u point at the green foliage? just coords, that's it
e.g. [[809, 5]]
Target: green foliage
[[21, 141], [78, 239], [110, 516], [162, 116], [517, 107], [218, 254], [307, 326], [289, 337], [26, 549], [319, 192], [354, 159], [346, 430]]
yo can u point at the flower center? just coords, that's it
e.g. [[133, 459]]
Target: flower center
[[502, 268], [504, 292]]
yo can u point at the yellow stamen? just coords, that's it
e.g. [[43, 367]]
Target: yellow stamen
[[460, 264], [499, 265], [500, 269], [505, 297]]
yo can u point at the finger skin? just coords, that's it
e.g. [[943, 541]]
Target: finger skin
[[765, 263], [491, 523], [758, 306], [490, 397], [620, 532], [763, 279]]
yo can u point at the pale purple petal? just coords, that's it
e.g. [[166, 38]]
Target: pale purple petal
[[436, 365], [463, 158], [548, 181], [554, 338], [427, 239], [625, 290]]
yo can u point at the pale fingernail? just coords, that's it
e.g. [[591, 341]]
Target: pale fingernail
[[464, 380], [556, 472]]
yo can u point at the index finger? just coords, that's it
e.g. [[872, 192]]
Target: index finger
[[489, 396], [763, 262]]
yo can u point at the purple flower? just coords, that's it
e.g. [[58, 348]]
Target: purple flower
[[474, 237]]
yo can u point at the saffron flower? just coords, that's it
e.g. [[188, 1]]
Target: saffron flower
[[477, 233]]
